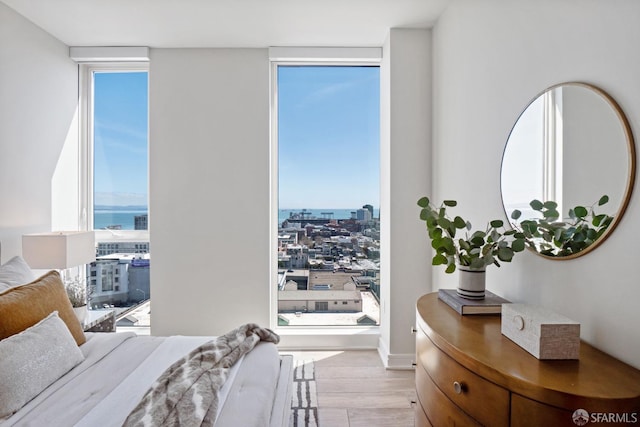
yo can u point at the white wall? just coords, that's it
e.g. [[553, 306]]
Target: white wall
[[405, 139], [209, 189], [38, 100], [491, 58], [209, 192]]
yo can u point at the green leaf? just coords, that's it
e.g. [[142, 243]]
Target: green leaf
[[604, 199], [529, 226], [432, 222], [516, 214], [423, 202], [459, 222], [580, 211], [450, 203], [424, 214], [443, 245], [439, 259], [477, 263], [450, 268], [505, 254], [477, 241], [496, 223], [486, 249], [444, 222], [551, 205], [597, 220], [536, 205], [448, 246], [478, 233], [518, 245], [551, 214], [579, 236]]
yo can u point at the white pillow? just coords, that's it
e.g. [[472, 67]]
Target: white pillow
[[33, 359], [15, 272]]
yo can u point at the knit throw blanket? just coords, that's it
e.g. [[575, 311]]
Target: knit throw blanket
[[186, 394]]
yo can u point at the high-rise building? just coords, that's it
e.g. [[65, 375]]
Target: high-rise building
[[141, 222], [364, 215]]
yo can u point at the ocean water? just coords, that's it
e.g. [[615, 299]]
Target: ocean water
[[116, 216]]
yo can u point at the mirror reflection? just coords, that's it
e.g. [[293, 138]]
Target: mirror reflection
[[568, 170]]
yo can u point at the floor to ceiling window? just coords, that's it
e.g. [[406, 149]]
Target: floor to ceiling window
[[327, 126], [116, 182]]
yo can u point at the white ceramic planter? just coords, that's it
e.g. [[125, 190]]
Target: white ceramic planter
[[471, 282], [81, 313]]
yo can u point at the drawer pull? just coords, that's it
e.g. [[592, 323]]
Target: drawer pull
[[459, 387]]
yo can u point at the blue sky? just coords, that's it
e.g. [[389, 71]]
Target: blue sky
[[329, 137], [329, 132], [120, 133]]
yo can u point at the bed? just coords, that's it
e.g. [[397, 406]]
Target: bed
[[53, 373]]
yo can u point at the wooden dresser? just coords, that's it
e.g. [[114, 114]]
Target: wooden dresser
[[468, 373]]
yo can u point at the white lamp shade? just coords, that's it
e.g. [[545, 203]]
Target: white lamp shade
[[59, 249]]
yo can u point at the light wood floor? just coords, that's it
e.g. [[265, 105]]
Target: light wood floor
[[355, 390]]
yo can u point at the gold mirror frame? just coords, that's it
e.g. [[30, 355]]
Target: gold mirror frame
[[631, 165]]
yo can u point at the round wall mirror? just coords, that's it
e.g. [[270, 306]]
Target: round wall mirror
[[568, 170]]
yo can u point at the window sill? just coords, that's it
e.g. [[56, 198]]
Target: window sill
[[328, 338]]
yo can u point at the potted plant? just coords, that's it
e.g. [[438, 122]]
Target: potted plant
[[77, 293], [553, 238], [472, 251]]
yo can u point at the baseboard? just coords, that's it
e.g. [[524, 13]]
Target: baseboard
[[399, 361]]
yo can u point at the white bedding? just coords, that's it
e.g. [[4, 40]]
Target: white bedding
[[128, 393], [120, 367]]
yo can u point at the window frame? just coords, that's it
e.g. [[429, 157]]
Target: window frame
[[355, 57], [86, 97]]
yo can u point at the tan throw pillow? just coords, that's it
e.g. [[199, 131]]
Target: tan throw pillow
[[33, 359], [23, 306]]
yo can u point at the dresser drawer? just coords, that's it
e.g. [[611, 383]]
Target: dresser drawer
[[481, 399], [439, 409], [529, 413]]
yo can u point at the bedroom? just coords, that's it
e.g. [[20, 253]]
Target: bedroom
[[482, 62]]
